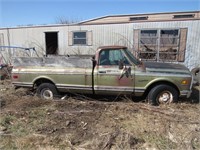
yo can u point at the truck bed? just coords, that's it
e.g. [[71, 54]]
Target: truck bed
[[69, 62]]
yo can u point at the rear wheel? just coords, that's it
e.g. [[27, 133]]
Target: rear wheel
[[47, 91], [162, 94]]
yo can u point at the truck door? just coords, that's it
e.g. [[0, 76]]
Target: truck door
[[109, 78]]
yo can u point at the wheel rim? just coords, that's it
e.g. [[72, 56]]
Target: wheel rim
[[165, 97], [47, 94]]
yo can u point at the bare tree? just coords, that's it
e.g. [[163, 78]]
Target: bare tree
[[64, 20]]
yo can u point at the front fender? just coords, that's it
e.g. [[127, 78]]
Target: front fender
[[161, 80]]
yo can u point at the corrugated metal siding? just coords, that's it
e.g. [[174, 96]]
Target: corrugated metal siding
[[102, 35], [33, 37], [118, 34], [110, 34]]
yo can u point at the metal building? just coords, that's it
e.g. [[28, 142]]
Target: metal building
[[171, 37]]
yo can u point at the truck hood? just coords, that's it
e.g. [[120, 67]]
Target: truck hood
[[166, 68]]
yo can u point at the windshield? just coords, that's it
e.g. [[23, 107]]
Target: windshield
[[132, 58]]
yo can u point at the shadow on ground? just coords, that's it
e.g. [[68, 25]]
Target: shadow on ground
[[195, 97]]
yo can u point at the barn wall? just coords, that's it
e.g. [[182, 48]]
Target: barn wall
[[110, 34], [118, 34], [32, 37]]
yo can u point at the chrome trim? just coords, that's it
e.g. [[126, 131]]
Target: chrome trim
[[191, 84], [22, 84], [139, 90], [189, 93], [113, 88], [192, 81], [137, 73], [73, 87], [55, 73]]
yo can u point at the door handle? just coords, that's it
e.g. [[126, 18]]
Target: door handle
[[102, 71]]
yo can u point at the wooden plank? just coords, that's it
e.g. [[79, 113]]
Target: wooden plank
[[1, 39], [70, 38], [89, 38], [136, 38], [182, 44]]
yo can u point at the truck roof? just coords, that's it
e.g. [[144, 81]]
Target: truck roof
[[112, 47]]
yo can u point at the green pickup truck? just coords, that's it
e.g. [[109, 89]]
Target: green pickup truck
[[112, 71]]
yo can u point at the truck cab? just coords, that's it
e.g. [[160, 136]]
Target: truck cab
[[114, 71]]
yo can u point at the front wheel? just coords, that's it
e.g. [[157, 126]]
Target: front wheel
[[47, 91], [162, 94]]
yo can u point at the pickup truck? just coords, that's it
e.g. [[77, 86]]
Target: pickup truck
[[113, 70]]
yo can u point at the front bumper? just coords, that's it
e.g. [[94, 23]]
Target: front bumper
[[186, 93], [189, 93]]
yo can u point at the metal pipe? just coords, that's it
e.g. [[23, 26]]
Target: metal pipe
[[33, 48]]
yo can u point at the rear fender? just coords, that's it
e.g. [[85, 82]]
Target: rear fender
[[43, 78]]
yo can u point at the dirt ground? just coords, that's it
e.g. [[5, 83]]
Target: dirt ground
[[82, 123]]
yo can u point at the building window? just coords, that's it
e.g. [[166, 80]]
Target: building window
[[162, 44], [169, 44], [184, 16], [138, 18], [79, 38], [169, 38], [148, 44]]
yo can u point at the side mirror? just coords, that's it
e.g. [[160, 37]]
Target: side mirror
[[121, 64]]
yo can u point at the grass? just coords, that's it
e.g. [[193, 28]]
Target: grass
[[151, 130], [31, 123]]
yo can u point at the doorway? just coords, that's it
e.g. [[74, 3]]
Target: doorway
[[51, 39]]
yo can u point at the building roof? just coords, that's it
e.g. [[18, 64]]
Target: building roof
[[147, 17], [128, 18]]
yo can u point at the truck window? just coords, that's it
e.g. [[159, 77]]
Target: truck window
[[132, 58], [112, 57]]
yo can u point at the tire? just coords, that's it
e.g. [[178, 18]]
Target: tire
[[47, 91], [162, 94]]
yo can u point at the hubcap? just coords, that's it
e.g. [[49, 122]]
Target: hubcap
[[165, 97], [47, 94]]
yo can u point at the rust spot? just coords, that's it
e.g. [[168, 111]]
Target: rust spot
[[124, 81]]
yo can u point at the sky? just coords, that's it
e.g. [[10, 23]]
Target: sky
[[42, 12]]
